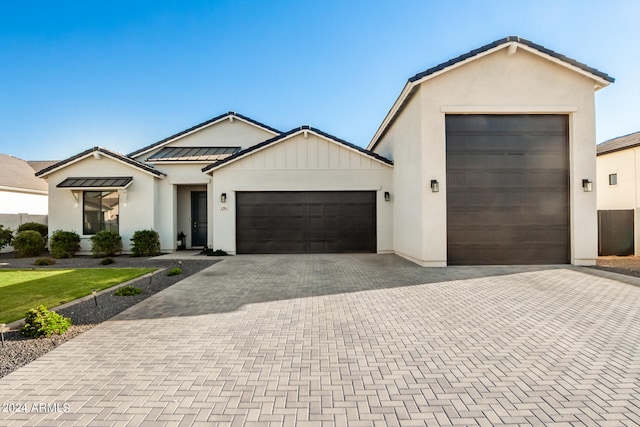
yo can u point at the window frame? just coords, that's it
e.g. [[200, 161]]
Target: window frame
[[613, 179], [103, 225]]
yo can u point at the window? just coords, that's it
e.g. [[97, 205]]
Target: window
[[613, 179], [100, 211]]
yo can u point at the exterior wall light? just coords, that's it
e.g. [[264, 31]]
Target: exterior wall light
[[223, 198], [387, 196], [435, 186], [587, 186]]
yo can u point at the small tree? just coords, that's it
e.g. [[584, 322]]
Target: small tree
[[28, 243], [6, 237], [145, 243], [106, 243], [64, 244]]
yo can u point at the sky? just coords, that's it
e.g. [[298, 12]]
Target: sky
[[125, 74]]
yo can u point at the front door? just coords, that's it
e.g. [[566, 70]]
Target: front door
[[198, 218]]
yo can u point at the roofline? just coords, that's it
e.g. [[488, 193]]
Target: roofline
[[511, 42], [293, 132], [201, 126], [614, 150], [13, 189], [115, 156]]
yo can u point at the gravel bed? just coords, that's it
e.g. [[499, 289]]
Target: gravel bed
[[19, 351]]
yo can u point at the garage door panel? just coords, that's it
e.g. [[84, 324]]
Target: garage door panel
[[305, 222], [507, 189]]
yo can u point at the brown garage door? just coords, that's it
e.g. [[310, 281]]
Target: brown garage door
[[507, 189], [305, 222]]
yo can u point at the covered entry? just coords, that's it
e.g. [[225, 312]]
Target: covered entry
[[305, 222], [507, 189]]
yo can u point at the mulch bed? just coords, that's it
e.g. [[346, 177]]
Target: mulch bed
[[18, 350]]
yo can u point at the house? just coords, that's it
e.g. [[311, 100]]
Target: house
[[617, 201], [480, 160]]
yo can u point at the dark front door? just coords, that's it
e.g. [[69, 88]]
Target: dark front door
[[507, 189], [198, 218], [305, 222]]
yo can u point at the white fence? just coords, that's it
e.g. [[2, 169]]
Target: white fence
[[13, 221]]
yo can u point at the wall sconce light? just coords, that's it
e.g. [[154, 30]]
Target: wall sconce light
[[223, 198], [587, 186], [435, 186], [387, 196]]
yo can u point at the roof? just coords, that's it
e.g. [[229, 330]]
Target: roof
[[95, 182], [199, 126], [602, 79], [193, 154], [38, 165], [292, 132], [16, 173], [97, 151], [619, 143]]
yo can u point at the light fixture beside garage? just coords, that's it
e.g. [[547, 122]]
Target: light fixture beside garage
[[435, 186], [223, 198], [587, 186]]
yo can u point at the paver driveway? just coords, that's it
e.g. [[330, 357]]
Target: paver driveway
[[350, 339]]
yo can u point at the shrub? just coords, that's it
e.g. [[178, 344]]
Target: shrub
[[107, 261], [42, 322], [6, 236], [174, 271], [210, 252], [106, 243], [35, 226], [145, 243], [127, 291], [64, 244], [44, 261], [28, 243]]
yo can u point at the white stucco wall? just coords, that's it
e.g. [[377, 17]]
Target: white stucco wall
[[497, 83], [300, 164], [15, 202], [136, 207]]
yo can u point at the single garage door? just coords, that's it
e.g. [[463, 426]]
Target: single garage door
[[507, 189], [278, 222]]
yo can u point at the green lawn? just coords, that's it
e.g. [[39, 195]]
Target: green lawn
[[21, 290]]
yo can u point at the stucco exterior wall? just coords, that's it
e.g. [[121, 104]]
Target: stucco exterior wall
[[15, 202], [136, 204], [300, 164], [497, 83]]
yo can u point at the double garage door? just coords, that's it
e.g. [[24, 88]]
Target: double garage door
[[276, 222], [507, 189]]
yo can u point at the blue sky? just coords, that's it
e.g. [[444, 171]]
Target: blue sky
[[124, 74]]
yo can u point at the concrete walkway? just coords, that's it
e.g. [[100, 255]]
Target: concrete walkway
[[356, 340]]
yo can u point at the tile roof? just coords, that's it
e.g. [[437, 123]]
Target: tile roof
[[509, 39], [17, 173], [290, 133], [619, 143], [192, 154], [96, 182], [205, 123], [106, 152]]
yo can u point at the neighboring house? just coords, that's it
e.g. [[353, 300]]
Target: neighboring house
[[20, 190], [480, 160], [618, 165]]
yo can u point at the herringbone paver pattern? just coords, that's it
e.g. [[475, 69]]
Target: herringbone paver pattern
[[359, 340]]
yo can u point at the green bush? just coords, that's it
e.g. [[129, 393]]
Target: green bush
[[127, 291], [174, 271], [28, 243], [107, 261], [145, 243], [64, 244], [35, 226], [6, 236], [42, 322], [106, 243], [44, 261]]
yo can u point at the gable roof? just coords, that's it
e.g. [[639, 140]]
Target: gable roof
[[512, 42], [38, 165], [202, 125], [290, 134], [92, 151], [619, 143], [17, 173]]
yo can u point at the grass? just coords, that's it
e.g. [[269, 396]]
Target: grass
[[21, 290]]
